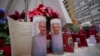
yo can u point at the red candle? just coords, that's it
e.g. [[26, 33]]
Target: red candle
[[68, 43]]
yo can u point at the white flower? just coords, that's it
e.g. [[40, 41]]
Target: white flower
[[86, 24]]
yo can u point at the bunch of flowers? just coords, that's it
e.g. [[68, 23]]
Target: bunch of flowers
[[75, 28], [46, 11], [4, 31], [86, 26], [17, 15]]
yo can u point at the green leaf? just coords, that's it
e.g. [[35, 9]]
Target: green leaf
[[2, 34], [74, 28], [7, 41], [1, 52]]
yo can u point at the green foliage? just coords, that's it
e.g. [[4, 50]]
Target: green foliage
[[7, 41], [2, 34], [6, 37], [1, 52], [4, 31], [86, 28], [74, 28]]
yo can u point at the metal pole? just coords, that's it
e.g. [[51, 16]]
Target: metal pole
[[26, 10], [8, 7], [42, 2]]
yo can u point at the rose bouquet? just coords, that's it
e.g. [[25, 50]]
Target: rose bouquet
[[17, 16], [46, 11]]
